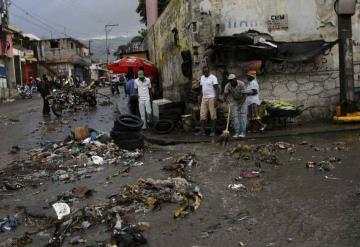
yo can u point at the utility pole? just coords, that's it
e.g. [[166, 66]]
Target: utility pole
[[107, 31], [90, 54], [345, 9], [4, 31]]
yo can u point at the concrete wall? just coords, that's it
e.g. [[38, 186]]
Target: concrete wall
[[313, 83], [64, 69], [66, 49], [308, 19], [165, 52]]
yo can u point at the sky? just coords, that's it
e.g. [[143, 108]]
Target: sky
[[82, 19]]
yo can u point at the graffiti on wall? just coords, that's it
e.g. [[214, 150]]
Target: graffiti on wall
[[292, 20], [233, 23], [320, 64]]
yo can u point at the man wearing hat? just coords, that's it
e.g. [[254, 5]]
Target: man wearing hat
[[234, 95], [253, 102], [143, 86]]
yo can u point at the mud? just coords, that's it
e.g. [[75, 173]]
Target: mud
[[295, 207]]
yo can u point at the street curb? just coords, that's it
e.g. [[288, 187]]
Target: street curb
[[163, 142]]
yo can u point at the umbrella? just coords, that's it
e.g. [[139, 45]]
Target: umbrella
[[122, 66]]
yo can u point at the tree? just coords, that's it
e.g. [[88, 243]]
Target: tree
[[141, 9]]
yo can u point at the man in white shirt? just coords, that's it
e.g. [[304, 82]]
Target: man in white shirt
[[253, 103], [143, 86], [210, 94]]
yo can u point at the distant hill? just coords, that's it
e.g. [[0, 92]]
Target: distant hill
[[98, 47]]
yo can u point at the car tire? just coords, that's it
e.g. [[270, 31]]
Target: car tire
[[164, 126], [130, 144], [125, 135], [128, 122]]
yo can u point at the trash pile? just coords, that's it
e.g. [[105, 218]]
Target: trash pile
[[181, 166], [118, 213], [76, 158], [324, 165], [266, 153]]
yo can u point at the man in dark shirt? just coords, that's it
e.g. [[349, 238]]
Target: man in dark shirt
[[132, 93], [45, 90]]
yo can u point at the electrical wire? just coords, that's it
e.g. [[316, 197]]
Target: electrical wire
[[31, 22], [45, 22]]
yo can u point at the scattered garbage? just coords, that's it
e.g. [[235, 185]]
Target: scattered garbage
[[128, 237], [8, 224], [86, 225], [61, 209], [14, 150], [97, 160], [331, 178], [325, 165], [249, 174], [81, 133], [255, 186], [237, 187], [182, 166], [191, 202], [65, 162], [311, 164], [82, 192]]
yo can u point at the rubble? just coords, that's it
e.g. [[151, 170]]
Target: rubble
[[64, 162]]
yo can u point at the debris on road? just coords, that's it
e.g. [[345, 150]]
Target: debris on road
[[311, 164], [8, 224], [249, 174], [61, 209], [237, 187]]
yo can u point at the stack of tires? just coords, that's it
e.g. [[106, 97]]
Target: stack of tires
[[126, 132]]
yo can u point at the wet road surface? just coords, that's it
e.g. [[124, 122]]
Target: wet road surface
[[295, 206]]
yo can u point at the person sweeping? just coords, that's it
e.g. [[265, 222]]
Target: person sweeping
[[235, 97]]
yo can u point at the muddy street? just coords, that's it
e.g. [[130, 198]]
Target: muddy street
[[293, 191]]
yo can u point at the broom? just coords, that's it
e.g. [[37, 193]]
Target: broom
[[224, 137]]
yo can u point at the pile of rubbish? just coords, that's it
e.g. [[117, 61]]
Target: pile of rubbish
[[181, 166], [76, 158], [264, 153], [324, 165], [117, 214]]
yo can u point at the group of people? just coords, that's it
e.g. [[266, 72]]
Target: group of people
[[242, 94]]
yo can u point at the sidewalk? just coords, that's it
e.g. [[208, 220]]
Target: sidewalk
[[182, 137]]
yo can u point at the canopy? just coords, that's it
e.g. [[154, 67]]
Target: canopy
[[122, 66]]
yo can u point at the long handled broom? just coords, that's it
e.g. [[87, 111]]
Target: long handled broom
[[224, 137]]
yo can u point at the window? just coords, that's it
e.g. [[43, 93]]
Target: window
[[194, 26], [54, 44], [217, 29], [72, 45], [176, 36]]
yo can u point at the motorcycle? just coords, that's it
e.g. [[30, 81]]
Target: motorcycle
[[25, 92], [63, 100], [85, 96], [59, 101], [114, 87]]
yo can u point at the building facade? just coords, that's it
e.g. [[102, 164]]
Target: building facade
[[63, 58], [227, 34]]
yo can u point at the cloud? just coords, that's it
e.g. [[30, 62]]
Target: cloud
[[78, 18]]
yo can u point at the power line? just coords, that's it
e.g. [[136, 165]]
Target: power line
[[36, 18], [32, 22], [45, 22]]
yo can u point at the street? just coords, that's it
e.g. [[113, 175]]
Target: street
[[281, 202]]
